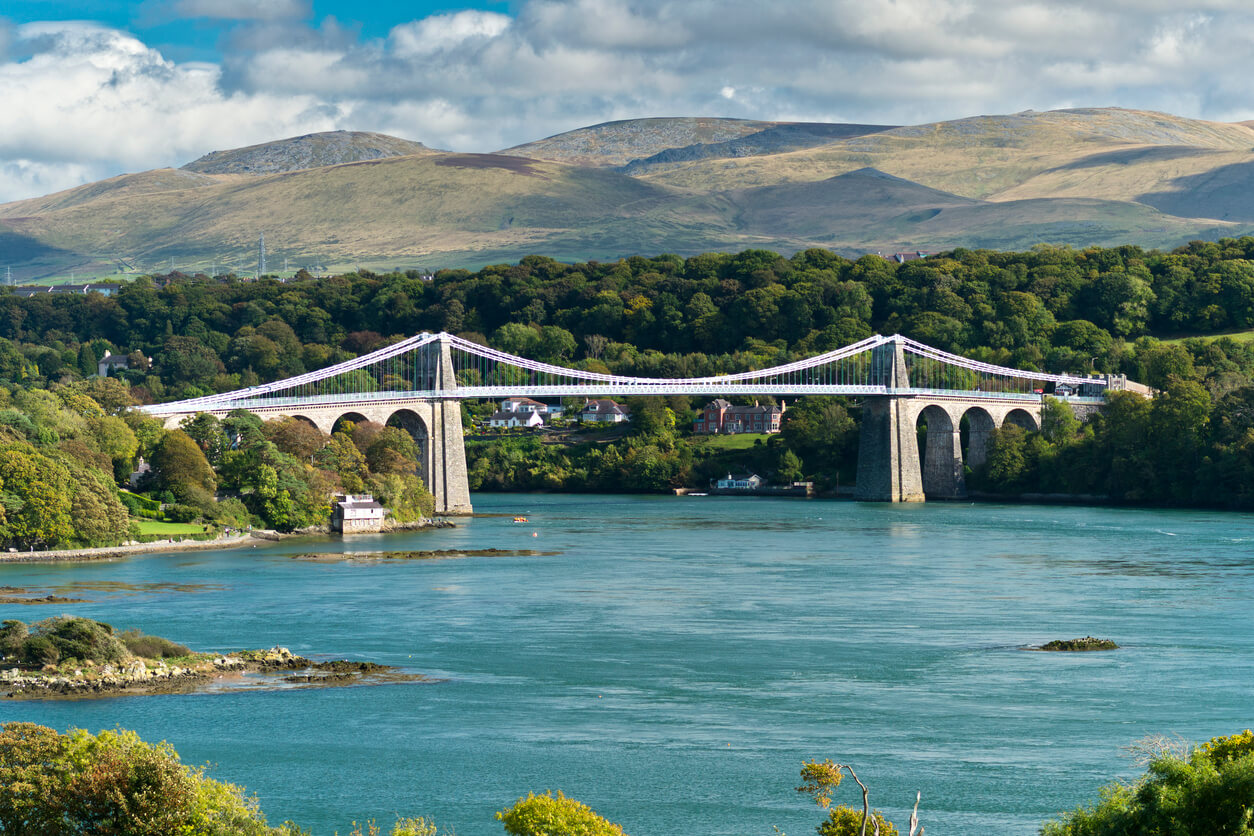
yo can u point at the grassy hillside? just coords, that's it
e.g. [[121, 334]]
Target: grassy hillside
[[401, 205], [309, 151], [683, 185], [980, 157], [614, 144]]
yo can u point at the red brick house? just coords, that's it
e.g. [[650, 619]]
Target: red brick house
[[719, 416]]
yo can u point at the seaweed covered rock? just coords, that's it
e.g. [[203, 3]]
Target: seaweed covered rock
[[1079, 645]]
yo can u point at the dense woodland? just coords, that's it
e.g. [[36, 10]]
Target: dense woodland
[[1054, 309]]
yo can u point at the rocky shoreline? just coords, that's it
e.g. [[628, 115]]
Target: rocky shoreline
[[278, 666], [111, 552]]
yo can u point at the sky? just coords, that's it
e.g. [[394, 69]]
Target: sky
[[92, 88]]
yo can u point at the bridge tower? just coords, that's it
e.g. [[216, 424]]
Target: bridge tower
[[446, 453], [888, 453]]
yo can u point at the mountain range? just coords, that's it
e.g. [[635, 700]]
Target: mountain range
[[1077, 177]]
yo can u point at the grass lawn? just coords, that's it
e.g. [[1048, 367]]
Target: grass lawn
[[168, 529], [1235, 336], [738, 441]]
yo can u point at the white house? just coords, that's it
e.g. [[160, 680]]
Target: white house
[[522, 405], [741, 482], [112, 363], [604, 411], [357, 513], [521, 418]]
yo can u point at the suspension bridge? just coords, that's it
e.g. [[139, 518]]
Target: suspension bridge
[[418, 384]]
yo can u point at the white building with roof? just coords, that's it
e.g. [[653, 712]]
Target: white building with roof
[[357, 514]]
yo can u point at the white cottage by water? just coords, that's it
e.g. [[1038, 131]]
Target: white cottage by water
[[357, 514]]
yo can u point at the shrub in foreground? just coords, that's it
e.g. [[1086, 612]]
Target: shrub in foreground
[[549, 815], [112, 784], [1209, 789]]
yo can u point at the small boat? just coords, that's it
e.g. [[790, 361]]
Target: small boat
[[696, 493], [520, 519]]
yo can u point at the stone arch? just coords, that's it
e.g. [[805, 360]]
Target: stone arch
[[1021, 418], [417, 427], [977, 423], [941, 454], [411, 422], [355, 417]]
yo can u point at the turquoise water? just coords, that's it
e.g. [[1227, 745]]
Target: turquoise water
[[674, 660]]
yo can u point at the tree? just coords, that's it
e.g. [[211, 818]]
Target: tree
[[1058, 421], [182, 468], [342, 457], [36, 496], [549, 815], [1007, 461], [789, 468], [295, 437], [1208, 789], [99, 517], [820, 779], [207, 432], [393, 450]]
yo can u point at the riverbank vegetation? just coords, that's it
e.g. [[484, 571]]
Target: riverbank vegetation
[[1147, 314], [115, 783], [66, 452]]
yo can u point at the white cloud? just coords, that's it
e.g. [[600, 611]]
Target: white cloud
[[241, 9], [83, 99], [441, 33]]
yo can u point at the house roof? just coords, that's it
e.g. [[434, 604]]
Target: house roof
[[753, 410], [115, 360], [522, 401], [606, 405], [362, 502]]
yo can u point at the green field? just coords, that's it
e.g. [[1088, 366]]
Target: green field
[[739, 441], [1235, 336], [167, 529]]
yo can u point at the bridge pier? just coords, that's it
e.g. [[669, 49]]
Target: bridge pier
[[943, 476], [888, 454]]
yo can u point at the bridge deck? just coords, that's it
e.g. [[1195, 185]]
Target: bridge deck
[[499, 392]]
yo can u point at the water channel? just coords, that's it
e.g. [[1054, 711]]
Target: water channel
[[672, 661]]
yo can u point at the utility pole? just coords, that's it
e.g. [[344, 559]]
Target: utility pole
[[261, 256]]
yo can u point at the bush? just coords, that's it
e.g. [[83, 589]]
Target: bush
[[112, 784], [546, 815], [181, 513], [139, 506], [1211, 790], [39, 651], [846, 821], [12, 634], [81, 638], [152, 647]]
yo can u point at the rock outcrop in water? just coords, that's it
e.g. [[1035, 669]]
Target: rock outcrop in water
[[1079, 645]]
